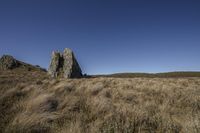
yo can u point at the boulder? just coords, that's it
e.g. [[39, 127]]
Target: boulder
[[64, 65], [8, 62]]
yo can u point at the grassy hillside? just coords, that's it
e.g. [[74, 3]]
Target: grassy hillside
[[30, 101]]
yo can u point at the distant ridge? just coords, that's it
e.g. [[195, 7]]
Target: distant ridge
[[175, 74]]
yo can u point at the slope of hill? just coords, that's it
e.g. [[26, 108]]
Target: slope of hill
[[31, 101]]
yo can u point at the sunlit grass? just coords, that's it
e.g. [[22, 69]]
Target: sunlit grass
[[30, 101]]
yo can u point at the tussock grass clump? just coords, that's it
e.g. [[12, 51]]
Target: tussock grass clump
[[30, 101]]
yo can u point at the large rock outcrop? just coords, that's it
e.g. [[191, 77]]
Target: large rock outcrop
[[7, 62], [64, 65]]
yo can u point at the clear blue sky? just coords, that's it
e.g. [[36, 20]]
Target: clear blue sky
[[107, 36]]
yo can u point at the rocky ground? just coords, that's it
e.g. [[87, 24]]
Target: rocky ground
[[32, 101]]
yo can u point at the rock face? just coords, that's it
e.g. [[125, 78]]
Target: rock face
[[55, 66], [64, 65], [7, 62]]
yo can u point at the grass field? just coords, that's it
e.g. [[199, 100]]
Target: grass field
[[30, 101]]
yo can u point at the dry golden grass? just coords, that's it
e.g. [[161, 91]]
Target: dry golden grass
[[32, 102]]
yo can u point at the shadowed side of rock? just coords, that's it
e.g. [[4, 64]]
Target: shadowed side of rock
[[64, 65]]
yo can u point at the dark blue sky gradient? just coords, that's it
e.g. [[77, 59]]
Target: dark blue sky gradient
[[107, 36]]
